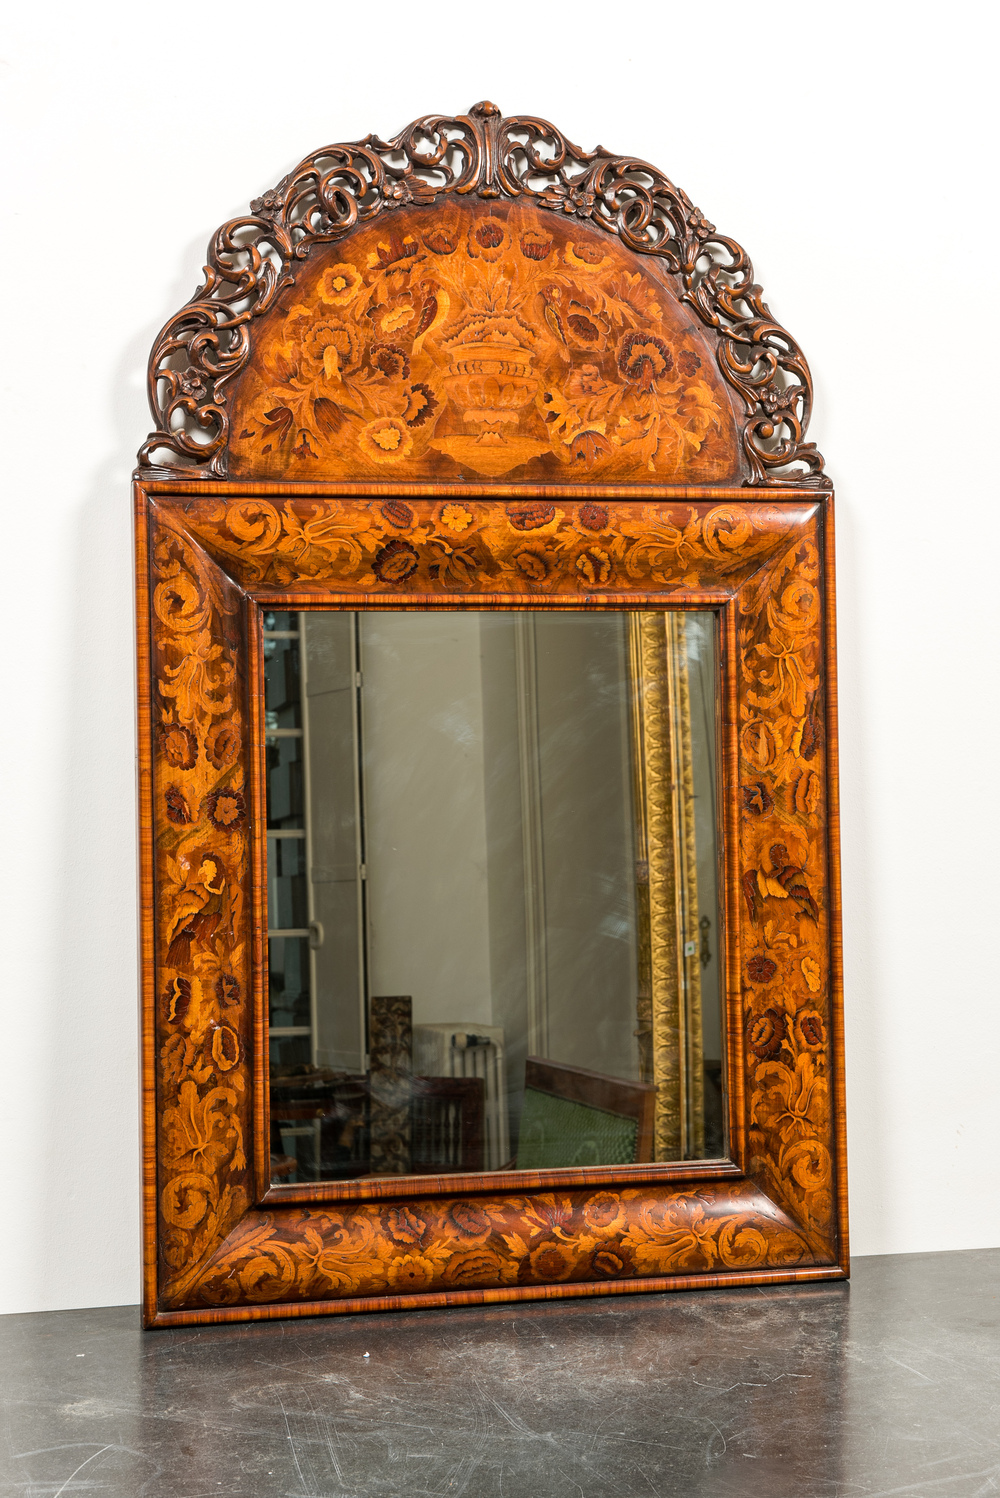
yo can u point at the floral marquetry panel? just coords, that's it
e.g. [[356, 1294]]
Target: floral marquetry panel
[[447, 1247], [784, 862], [224, 1248], [203, 1038], [483, 341], [548, 545]]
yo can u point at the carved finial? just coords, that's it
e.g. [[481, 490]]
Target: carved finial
[[486, 121]]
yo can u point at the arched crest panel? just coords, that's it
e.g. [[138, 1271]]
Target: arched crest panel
[[478, 298]]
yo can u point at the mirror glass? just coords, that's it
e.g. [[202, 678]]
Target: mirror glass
[[492, 891]]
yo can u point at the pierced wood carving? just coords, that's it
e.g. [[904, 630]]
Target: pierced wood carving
[[527, 309], [223, 1251]]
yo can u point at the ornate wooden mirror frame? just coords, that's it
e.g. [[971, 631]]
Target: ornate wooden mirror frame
[[475, 367]]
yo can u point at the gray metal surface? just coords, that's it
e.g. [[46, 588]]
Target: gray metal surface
[[889, 1386]]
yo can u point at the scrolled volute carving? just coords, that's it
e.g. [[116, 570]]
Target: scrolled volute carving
[[487, 155]]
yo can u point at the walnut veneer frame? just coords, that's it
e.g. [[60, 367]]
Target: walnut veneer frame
[[634, 418]]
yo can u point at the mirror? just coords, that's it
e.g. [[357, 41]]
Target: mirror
[[492, 888]]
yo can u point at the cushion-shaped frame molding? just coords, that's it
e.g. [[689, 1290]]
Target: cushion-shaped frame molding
[[220, 1243]]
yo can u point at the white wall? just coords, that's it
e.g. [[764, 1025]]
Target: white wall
[[854, 161]]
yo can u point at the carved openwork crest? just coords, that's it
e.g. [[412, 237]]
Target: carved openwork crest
[[528, 311]]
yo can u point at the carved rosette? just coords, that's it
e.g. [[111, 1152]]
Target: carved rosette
[[484, 159]]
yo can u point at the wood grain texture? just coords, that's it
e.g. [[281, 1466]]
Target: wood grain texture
[[478, 294], [728, 1279], [147, 903], [778, 1209]]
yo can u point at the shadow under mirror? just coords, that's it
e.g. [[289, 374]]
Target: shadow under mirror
[[492, 887]]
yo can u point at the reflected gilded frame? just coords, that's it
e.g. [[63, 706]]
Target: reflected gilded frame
[[476, 367], [669, 990]]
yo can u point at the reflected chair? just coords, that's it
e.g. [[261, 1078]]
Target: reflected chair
[[447, 1118], [572, 1116]]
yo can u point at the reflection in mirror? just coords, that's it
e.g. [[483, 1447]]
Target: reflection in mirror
[[492, 887]]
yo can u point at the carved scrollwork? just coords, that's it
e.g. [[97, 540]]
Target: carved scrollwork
[[484, 155]]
